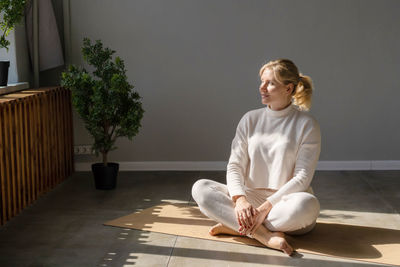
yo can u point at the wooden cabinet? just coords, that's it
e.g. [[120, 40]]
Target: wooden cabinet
[[36, 146]]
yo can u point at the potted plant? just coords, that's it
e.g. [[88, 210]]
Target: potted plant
[[12, 12], [106, 103]]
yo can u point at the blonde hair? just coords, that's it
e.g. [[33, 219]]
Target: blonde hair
[[286, 72]]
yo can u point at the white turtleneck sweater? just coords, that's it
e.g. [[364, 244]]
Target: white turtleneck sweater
[[277, 150]]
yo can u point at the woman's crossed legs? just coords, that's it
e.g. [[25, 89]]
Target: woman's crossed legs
[[296, 213]]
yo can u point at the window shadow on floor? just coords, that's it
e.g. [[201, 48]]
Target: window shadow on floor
[[145, 249], [329, 239]]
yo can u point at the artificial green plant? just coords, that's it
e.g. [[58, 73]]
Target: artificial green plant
[[104, 100]]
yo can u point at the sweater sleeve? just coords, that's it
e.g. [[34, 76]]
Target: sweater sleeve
[[238, 161], [306, 162]]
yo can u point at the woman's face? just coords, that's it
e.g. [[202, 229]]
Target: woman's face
[[274, 94]]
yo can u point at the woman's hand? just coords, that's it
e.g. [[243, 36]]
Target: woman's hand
[[262, 213], [258, 220], [245, 214]]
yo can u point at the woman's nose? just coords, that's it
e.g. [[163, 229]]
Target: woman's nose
[[263, 87]]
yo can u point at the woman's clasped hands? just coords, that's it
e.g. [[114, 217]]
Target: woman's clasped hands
[[249, 218]]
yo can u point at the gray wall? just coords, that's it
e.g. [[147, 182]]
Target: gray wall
[[195, 63]]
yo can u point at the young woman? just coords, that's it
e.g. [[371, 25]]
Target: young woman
[[273, 158]]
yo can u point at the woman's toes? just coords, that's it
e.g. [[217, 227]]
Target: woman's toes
[[215, 229], [212, 231], [285, 247]]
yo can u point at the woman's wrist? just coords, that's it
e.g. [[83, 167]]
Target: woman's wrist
[[265, 207], [239, 198]]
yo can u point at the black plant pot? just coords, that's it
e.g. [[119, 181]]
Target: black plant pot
[[4, 65], [105, 177]]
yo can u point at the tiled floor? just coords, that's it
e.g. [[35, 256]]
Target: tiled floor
[[64, 227]]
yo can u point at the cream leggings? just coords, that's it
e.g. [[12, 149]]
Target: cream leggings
[[295, 213]]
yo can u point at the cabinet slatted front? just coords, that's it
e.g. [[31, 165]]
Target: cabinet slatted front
[[36, 146]]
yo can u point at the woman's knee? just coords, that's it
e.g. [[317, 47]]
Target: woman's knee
[[307, 206], [200, 190], [295, 211], [312, 205]]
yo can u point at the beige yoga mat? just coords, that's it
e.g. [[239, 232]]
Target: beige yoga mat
[[370, 244]]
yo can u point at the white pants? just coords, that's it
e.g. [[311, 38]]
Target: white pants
[[295, 213]]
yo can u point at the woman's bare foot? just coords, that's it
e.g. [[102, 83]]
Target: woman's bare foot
[[220, 229], [275, 240]]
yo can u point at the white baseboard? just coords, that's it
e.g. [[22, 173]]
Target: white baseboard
[[343, 165], [359, 165], [385, 165], [162, 166], [221, 165]]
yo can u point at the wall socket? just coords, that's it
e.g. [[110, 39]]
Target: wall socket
[[83, 150]]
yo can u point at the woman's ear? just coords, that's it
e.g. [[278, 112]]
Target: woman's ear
[[290, 88]]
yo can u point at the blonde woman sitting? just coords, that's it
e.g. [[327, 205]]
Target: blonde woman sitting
[[273, 158]]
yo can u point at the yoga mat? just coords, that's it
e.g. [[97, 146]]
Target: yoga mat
[[363, 243]]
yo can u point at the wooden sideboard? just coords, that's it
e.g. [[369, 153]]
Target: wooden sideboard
[[36, 146]]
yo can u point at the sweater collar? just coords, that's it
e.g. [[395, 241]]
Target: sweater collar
[[280, 113]]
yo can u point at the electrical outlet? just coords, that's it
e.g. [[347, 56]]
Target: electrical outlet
[[83, 150]]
